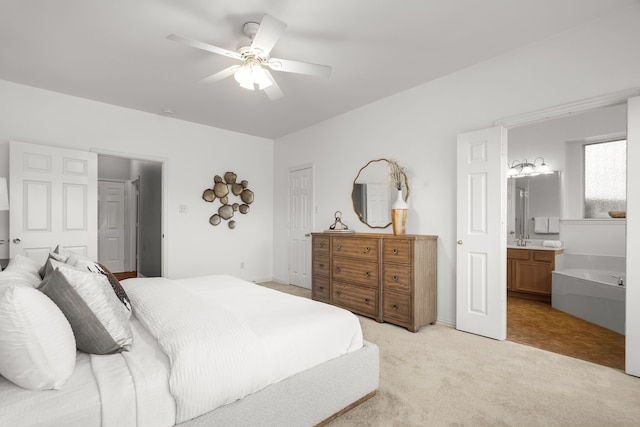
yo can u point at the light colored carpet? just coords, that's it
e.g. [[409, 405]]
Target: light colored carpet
[[443, 377]]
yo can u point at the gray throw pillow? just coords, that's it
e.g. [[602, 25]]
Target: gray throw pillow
[[100, 322]]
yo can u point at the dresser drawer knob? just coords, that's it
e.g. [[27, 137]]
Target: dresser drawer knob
[[338, 247], [395, 307], [366, 301], [338, 270], [367, 249], [321, 288], [321, 244], [395, 251], [338, 293], [367, 274], [395, 278], [321, 265]]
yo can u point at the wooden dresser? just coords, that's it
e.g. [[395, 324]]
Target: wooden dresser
[[388, 278]]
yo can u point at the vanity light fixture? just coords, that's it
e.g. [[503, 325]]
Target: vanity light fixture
[[519, 169]]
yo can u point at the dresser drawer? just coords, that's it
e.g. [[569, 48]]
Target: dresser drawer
[[396, 307], [320, 245], [320, 290], [356, 298], [355, 271], [397, 250], [397, 278], [321, 266], [362, 248]]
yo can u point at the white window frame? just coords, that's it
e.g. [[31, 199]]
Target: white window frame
[[584, 145], [573, 186]]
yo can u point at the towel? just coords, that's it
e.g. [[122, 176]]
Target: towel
[[541, 224], [554, 224], [552, 243]]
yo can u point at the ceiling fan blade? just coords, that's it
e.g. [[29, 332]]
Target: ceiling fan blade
[[268, 34], [273, 92], [289, 66], [220, 74], [204, 46]]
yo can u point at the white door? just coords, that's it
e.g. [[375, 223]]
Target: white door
[[632, 335], [300, 226], [111, 236], [53, 200], [481, 232]]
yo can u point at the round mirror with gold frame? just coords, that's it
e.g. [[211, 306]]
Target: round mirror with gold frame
[[373, 194]]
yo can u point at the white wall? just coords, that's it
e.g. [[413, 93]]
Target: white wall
[[193, 154], [419, 128], [594, 236], [115, 168]]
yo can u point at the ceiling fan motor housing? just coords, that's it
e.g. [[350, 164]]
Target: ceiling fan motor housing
[[250, 29]]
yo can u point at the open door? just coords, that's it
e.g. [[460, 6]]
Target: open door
[[632, 335], [481, 232], [53, 200]]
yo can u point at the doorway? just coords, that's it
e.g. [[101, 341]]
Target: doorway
[[495, 247], [130, 216], [537, 323]]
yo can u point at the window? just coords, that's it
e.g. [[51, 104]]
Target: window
[[605, 178]]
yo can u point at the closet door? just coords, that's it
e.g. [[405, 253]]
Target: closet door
[[53, 200]]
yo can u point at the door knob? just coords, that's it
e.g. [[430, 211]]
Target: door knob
[[17, 240], [459, 242]]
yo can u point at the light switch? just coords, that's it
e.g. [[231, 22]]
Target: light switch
[[183, 209]]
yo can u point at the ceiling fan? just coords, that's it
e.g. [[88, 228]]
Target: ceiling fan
[[253, 53]]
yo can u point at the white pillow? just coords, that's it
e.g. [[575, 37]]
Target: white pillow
[[15, 278], [37, 347], [22, 262], [27, 268]]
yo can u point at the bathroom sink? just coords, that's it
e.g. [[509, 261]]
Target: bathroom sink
[[531, 244]]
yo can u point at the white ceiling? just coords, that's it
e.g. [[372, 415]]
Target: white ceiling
[[116, 51]]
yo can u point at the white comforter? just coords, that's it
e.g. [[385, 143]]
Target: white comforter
[[227, 338], [198, 343]]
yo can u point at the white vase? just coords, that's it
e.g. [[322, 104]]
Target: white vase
[[399, 211]]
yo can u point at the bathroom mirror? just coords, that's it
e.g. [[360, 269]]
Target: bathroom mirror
[[531, 197], [373, 194]]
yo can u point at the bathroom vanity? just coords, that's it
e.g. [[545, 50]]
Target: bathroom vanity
[[529, 271]]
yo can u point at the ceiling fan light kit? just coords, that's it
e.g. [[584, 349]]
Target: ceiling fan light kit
[[254, 54]]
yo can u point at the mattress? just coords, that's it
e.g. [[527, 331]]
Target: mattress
[[135, 388]]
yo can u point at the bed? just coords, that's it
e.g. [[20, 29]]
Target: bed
[[213, 350]]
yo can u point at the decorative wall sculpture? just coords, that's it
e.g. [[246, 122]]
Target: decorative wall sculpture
[[222, 190]]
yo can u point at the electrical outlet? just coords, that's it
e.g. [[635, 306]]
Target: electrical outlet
[[183, 209]]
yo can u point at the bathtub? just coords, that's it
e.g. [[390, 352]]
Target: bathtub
[[592, 295]]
